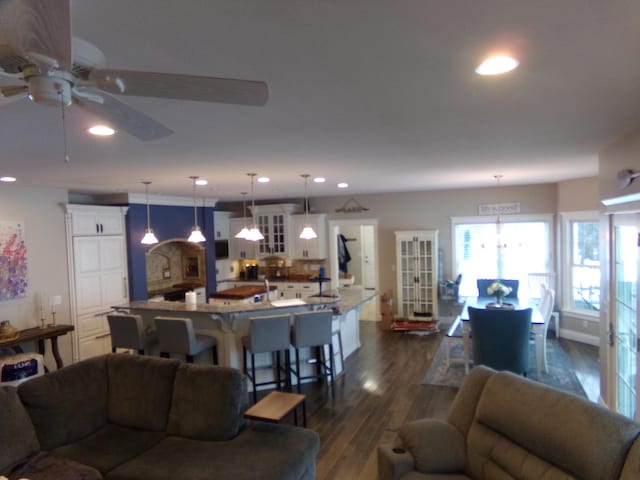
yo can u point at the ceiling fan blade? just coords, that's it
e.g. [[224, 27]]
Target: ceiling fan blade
[[181, 87], [39, 30], [121, 116], [13, 90]]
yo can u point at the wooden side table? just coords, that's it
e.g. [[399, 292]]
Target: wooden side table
[[276, 406], [39, 335]]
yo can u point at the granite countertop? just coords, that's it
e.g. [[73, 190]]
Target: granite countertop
[[344, 299]]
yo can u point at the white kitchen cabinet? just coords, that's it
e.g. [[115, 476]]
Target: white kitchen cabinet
[[274, 223], [239, 248], [99, 278], [221, 225], [417, 275], [288, 290], [86, 220], [313, 249]]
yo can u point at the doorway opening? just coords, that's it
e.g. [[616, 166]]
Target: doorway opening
[[360, 239]]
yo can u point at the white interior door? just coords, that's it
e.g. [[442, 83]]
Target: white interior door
[[366, 231], [624, 313]]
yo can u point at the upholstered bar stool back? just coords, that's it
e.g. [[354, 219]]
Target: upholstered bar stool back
[[177, 335], [127, 331], [313, 329], [267, 334]]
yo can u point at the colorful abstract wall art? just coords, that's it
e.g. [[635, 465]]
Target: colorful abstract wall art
[[13, 261]]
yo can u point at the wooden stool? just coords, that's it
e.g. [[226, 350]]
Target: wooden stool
[[277, 405]]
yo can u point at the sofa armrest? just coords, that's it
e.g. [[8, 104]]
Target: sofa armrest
[[393, 462], [435, 445]]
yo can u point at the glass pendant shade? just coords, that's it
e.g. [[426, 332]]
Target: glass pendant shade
[[254, 234], [307, 232], [196, 234], [149, 237], [244, 233]]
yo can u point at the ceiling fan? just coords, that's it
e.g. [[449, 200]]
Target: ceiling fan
[[54, 68]]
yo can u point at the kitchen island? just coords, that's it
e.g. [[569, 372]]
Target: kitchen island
[[228, 323]]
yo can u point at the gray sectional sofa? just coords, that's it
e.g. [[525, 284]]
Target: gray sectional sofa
[[129, 417], [504, 427]]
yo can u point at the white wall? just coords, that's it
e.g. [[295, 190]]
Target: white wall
[[40, 210]]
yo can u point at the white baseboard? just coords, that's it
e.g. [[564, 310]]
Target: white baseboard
[[580, 337]]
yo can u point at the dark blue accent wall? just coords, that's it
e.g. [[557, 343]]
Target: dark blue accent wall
[[168, 222]]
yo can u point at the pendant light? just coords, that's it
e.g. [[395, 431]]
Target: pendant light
[[149, 237], [196, 235], [254, 234], [242, 234], [307, 232]]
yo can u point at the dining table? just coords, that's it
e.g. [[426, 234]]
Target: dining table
[[537, 324]]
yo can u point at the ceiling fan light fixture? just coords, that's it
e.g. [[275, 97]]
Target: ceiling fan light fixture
[[101, 130], [497, 65]]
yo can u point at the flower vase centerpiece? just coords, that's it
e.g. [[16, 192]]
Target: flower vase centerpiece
[[499, 291]]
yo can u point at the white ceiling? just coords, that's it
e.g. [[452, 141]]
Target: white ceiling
[[381, 94]]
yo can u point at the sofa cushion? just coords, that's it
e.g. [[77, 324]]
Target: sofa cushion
[[435, 445], [208, 402], [260, 452], [110, 446], [67, 404], [523, 427], [140, 390], [17, 435], [45, 466]]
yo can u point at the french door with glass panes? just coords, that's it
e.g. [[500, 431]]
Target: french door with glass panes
[[624, 358], [417, 275]]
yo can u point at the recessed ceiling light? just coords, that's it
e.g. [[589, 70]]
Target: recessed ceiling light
[[8, 179], [343, 185], [264, 179], [319, 180], [496, 65], [201, 181], [101, 130]]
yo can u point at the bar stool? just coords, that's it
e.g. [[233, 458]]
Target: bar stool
[[127, 331], [314, 329], [267, 334], [176, 335]]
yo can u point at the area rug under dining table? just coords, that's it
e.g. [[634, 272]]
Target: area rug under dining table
[[560, 374]]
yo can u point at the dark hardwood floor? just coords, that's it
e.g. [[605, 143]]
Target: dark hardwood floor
[[381, 390]]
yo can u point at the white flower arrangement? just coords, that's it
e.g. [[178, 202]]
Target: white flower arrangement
[[498, 289]]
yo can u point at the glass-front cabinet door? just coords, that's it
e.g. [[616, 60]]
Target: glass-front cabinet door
[[416, 262], [624, 312]]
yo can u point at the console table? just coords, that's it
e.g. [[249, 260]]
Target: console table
[[39, 335]]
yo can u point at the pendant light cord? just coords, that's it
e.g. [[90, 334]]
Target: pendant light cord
[[146, 187]]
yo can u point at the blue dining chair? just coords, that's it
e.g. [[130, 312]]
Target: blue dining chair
[[500, 338]]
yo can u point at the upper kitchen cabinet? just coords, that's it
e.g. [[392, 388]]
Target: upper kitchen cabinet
[[274, 223], [313, 249], [221, 225], [89, 220], [239, 248]]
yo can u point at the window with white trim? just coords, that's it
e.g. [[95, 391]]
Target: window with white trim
[[581, 272], [510, 249]]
